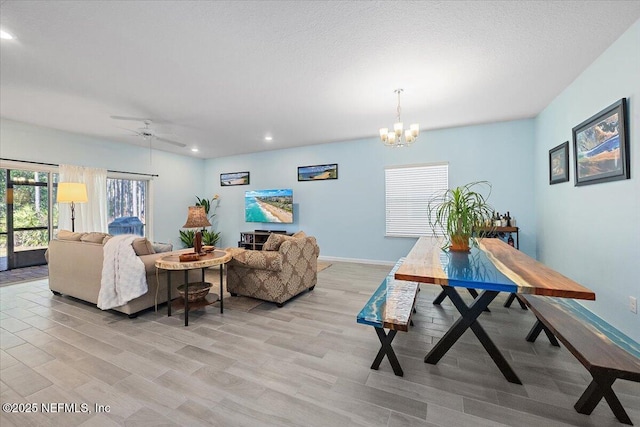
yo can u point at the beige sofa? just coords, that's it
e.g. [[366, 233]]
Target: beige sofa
[[75, 269], [285, 267]]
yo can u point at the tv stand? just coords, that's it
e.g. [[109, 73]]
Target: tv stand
[[255, 239]]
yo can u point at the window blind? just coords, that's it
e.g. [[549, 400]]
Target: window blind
[[408, 190]]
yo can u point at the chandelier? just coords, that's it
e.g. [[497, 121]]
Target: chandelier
[[399, 137]]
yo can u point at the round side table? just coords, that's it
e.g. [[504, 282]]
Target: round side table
[[173, 263]]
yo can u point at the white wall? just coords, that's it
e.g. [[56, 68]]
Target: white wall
[[592, 233], [179, 181], [347, 215]]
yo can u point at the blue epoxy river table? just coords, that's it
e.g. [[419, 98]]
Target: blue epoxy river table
[[493, 267]]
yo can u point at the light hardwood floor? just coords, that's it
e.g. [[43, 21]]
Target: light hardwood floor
[[306, 364]]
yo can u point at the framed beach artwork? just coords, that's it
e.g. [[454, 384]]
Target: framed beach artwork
[[318, 172], [601, 146], [234, 178], [559, 163]]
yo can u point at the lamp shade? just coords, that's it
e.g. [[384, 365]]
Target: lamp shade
[[197, 218], [72, 192]]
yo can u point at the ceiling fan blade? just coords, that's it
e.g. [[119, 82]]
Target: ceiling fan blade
[[134, 132], [135, 119], [168, 141]]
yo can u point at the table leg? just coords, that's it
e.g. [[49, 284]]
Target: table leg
[[539, 327], [386, 349], [169, 293], [186, 298], [468, 319], [601, 387], [510, 299], [221, 295], [443, 295]]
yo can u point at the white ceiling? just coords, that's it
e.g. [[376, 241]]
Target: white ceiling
[[223, 75]]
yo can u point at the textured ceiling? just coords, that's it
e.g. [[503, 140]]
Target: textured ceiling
[[223, 75]]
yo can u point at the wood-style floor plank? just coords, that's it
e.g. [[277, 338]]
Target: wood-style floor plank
[[305, 364]]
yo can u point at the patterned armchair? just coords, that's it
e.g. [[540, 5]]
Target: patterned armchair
[[286, 266]]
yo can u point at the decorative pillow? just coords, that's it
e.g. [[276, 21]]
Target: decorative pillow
[[162, 247], [142, 246], [69, 235], [93, 237], [106, 238], [299, 234], [274, 241]]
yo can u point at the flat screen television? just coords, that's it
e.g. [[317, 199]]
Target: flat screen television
[[269, 206]]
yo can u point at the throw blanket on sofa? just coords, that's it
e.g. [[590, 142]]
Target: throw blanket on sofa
[[123, 274]]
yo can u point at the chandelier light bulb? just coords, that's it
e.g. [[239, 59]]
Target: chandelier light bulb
[[383, 134]]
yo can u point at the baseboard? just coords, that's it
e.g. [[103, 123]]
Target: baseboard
[[355, 260]]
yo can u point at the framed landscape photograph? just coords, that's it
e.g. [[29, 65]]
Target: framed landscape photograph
[[559, 163], [318, 172], [601, 146], [234, 178]]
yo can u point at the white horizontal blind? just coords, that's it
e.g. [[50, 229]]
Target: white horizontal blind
[[408, 190]]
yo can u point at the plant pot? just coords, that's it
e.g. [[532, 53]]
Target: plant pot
[[460, 243]]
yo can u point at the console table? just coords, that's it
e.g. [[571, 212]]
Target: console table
[[498, 231], [173, 263], [255, 239]]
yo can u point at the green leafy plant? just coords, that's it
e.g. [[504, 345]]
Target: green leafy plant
[[186, 237], [208, 204], [458, 211], [209, 236]]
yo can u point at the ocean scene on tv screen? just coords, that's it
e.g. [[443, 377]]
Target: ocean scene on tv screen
[[269, 206]]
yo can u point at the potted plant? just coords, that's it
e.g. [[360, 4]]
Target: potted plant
[[458, 211], [209, 237]]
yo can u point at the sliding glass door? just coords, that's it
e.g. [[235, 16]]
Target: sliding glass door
[[26, 216]]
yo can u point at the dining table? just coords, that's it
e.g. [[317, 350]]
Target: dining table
[[491, 266]]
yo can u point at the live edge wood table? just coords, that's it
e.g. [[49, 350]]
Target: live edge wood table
[[173, 263], [493, 267]]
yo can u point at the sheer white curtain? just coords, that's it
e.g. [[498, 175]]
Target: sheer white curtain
[[90, 216]]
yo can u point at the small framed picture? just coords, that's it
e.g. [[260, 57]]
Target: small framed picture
[[601, 146], [234, 178], [318, 172], [559, 163]]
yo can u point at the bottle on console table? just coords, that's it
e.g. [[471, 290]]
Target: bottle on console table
[[510, 240]]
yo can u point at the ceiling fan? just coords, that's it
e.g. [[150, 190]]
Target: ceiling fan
[[146, 132]]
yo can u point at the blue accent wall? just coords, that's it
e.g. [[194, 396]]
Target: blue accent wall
[[347, 215], [592, 233]]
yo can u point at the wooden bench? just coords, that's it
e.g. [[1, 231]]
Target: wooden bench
[[390, 307], [600, 352]]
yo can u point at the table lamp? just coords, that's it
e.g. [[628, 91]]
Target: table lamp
[[197, 219], [72, 192]]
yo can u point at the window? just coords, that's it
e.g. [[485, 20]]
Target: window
[[126, 205], [407, 193]]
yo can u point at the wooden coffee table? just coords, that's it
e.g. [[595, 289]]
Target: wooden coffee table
[[173, 263]]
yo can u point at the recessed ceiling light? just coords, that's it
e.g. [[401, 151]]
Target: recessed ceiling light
[[268, 138], [5, 36], [195, 150]]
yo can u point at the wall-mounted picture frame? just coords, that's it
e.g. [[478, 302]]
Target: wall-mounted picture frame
[[318, 172], [601, 146], [559, 163], [234, 178]]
